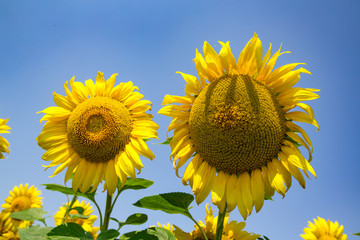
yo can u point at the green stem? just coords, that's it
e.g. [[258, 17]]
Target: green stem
[[68, 209], [202, 231], [220, 224], [107, 214], [100, 214], [113, 204]]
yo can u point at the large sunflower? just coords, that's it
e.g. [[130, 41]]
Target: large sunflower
[[235, 122], [4, 144], [97, 132], [231, 231], [21, 198], [85, 223], [324, 230]]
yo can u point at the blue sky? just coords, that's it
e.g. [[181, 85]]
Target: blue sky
[[45, 43]]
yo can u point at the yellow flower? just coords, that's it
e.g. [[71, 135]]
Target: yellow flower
[[4, 144], [85, 223], [235, 122], [324, 230], [21, 198], [97, 132], [231, 231]]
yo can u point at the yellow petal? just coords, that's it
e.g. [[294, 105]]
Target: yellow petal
[[257, 189]]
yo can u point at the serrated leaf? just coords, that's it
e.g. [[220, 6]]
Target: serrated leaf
[[173, 203], [30, 214], [32, 233], [154, 233], [69, 230], [136, 184], [108, 235], [69, 191]]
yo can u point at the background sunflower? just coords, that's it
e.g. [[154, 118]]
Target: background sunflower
[[322, 229], [4, 144]]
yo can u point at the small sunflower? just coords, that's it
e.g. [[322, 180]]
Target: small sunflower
[[324, 230], [85, 223], [4, 144], [21, 198], [235, 122], [231, 231], [97, 132]]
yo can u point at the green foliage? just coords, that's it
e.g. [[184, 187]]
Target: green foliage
[[69, 230], [69, 191], [168, 140], [134, 219], [153, 233], [108, 235], [265, 238], [34, 232], [136, 184], [173, 203], [356, 234], [30, 214], [268, 198]]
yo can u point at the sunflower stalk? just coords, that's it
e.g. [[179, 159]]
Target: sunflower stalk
[[108, 210], [220, 224], [68, 209], [197, 224]]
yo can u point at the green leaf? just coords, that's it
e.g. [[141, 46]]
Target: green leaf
[[69, 191], [34, 233], [173, 203], [80, 210], [75, 216], [268, 198], [356, 234], [134, 219], [266, 238], [30, 214], [69, 230], [136, 184], [154, 233], [108, 235], [168, 140]]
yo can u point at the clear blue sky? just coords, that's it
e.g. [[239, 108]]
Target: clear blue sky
[[45, 43]]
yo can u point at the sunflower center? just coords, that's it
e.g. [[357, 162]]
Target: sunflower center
[[99, 128], [20, 203], [236, 124]]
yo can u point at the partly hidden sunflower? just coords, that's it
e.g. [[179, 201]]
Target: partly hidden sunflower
[[324, 230], [85, 219], [232, 230], [22, 197], [4, 144], [97, 132], [236, 124]]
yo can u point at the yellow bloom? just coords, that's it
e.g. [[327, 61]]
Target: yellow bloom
[[235, 122], [97, 132], [231, 231], [85, 223], [324, 230], [4, 144], [21, 198]]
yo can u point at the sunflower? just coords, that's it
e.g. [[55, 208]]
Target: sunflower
[[86, 222], [324, 230], [235, 123], [97, 132], [4, 144], [232, 230], [21, 198]]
